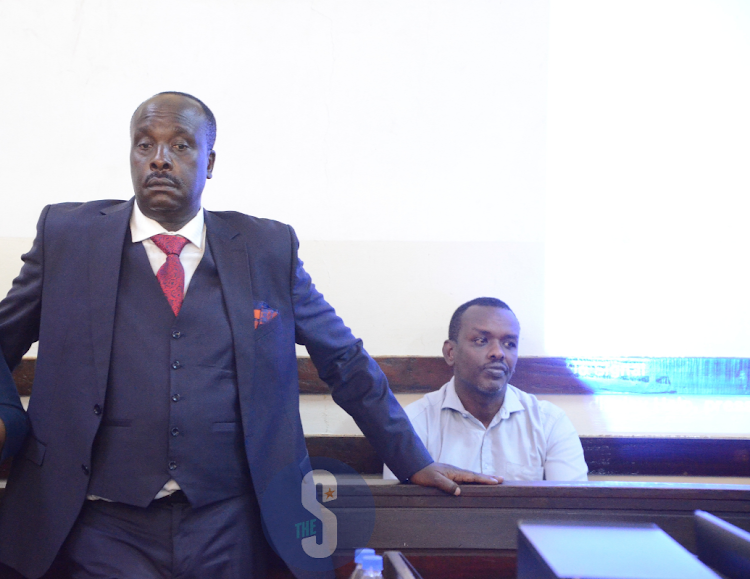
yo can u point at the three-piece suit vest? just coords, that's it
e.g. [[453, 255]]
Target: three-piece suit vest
[[172, 406]]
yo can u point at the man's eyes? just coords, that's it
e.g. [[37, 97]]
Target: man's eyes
[[481, 341], [145, 146]]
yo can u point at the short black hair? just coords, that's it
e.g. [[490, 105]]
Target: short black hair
[[210, 118], [455, 326]]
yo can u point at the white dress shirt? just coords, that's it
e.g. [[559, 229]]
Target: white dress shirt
[[142, 228], [528, 439]]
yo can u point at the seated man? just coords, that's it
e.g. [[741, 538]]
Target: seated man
[[480, 422]]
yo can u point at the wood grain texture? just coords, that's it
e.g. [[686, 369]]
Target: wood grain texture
[[623, 375], [662, 376], [604, 456], [484, 517], [405, 374], [474, 535], [495, 565], [667, 456]]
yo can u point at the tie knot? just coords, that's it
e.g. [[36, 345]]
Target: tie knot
[[169, 244]]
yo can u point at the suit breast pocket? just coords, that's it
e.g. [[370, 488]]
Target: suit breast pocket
[[266, 319], [34, 451], [265, 330]]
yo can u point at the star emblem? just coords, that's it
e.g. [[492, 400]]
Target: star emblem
[[329, 494]]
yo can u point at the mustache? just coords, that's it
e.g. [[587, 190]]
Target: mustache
[[497, 366], [162, 176]]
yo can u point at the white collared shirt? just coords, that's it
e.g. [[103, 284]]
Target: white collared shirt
[[528, 439], [142, 228]]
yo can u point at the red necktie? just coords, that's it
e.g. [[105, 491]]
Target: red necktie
[[171, 276]]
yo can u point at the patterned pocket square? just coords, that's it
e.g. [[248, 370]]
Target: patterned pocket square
[[263, 314]]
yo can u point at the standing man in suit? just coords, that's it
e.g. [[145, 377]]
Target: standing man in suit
[[166, 399]]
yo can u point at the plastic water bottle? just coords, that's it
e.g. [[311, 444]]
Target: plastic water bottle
[[372, 567], [359, 554]]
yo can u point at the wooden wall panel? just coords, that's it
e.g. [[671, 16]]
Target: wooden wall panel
[[717, 376], [604, 456]]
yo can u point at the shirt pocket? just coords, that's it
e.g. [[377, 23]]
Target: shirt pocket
[[513, 471]]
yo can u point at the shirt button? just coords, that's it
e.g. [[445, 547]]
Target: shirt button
[[175, 397], [85, 469], [172, 465], [97, 409], [176, 364], [176, 334], [175, 431]]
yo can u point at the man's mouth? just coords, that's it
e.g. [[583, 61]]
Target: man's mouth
[[497, 370], [161, 181]]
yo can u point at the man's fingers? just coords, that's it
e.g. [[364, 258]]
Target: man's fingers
[[447, 485], [446, 478], [467, 476]]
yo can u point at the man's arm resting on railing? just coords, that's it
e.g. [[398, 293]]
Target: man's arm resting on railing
[[446, 477]]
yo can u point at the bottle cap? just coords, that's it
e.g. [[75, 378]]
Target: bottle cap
[[359, 553], [372, 563]]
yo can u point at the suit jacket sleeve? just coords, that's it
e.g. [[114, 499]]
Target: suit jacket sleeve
[[357, 383], [11, 413], [21, 309], [19, 328]]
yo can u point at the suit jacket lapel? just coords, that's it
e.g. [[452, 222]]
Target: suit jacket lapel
[[105, 243], [231, 256]]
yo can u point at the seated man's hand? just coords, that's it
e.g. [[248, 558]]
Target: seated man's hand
[[445, 477]]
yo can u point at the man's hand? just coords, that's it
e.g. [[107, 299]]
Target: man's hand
[[445, 477]]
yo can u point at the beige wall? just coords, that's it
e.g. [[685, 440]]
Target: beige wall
[[428, 152]]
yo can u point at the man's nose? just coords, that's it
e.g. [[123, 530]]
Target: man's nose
[[496, 350], [161, 160]]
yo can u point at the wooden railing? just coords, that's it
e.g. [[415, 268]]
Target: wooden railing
[[474, 536]]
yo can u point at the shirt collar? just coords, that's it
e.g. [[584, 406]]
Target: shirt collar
[[511, 403], [452, 400], [142, 227]]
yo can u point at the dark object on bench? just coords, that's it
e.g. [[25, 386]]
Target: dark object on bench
[[722, 546]]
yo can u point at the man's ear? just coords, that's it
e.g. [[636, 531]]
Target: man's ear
[[448, 348], [211, 161]]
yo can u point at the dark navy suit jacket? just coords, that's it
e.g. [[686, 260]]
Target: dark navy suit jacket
[[11, 413], [65, 297]]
